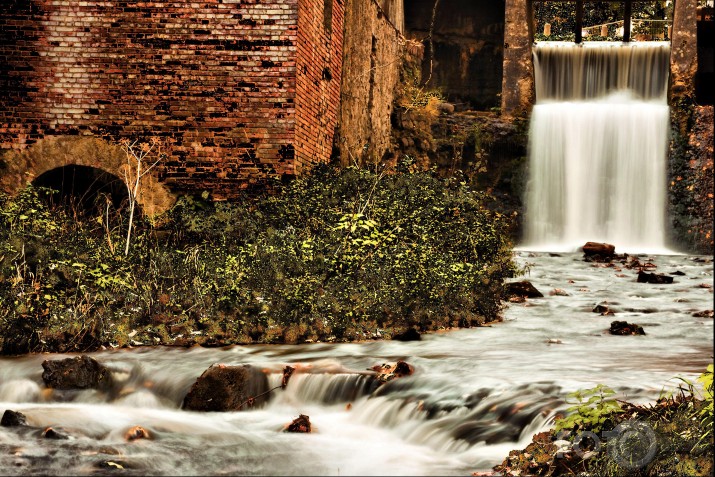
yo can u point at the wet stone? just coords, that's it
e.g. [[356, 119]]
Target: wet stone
[[228, 388], [81, 372], [300, 424], [387, 372], [623, 328], [52, 433], [704, 314], [595, 251], [524, 289], [13, 419], [645, 277]]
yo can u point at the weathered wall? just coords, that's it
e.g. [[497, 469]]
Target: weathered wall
[[691, 150], [683, 50], [467, 38], [371, 63], [517, 94], [319, 67], [215, 79]]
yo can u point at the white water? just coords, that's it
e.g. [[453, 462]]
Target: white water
[[598, 143], [476, 393]]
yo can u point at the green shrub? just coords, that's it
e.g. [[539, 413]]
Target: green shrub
[[340, 254]]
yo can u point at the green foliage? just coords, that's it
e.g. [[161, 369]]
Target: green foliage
[[706, 413], [591, 411], [341, 254]]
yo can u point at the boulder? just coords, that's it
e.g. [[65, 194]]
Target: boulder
[[80, 372], [657, 278], [410, 334], [299, 424], [13, 419], [524, 289], [596, 250], [228, 388], [623, 328]]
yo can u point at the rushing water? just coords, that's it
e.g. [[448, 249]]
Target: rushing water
[[598, 142], [475, 395]]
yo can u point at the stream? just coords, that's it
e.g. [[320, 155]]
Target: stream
[[475, 394]]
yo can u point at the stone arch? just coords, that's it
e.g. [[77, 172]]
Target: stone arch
[[19, 168]]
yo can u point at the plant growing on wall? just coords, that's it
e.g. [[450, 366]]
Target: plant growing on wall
[[141, 158]]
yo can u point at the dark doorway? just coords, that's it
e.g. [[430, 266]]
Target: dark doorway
[[86, 190], [466, 53]]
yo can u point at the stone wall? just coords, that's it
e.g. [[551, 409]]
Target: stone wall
[[371, 62], [216, 80], [518, 93]]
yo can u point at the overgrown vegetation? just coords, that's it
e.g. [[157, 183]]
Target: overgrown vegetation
[[338, 255], [605, 437]]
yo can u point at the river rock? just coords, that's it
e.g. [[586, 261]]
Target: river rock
[[559, 292], [657, 278], [81, 372], [299, 424], [136, 432], [598, 251], [52, 433], [704, 314], [387, 372], [524, 289], [13, 419], [410, 334], [623, 328], [603, 308], [228, 388]]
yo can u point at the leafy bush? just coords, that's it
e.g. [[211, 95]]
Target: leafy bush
[[591, 411], [341, 254]]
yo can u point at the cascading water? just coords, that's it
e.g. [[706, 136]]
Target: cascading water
[[597, 147]]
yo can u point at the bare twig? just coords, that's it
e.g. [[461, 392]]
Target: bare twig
[[429, 40], [136, 155]]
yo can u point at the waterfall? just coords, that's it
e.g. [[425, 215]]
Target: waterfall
[[598, 143]]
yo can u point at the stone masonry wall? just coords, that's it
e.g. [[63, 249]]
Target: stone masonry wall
[[216, 79], [371, 68]]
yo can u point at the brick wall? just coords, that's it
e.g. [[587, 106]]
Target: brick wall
[[319, 65], [215, 78]]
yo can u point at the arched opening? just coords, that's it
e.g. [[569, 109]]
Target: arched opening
[[85, 190]]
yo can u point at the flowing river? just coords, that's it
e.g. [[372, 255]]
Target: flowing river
[[475, 394]]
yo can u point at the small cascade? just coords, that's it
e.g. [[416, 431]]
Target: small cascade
[[598, 147], [327, 388]]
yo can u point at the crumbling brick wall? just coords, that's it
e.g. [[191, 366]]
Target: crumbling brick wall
[[216, 79], [319, 67]]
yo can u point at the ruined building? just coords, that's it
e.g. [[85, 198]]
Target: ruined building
[[242, 91]]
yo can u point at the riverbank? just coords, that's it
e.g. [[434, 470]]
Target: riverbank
[[475, 395], [340, 255], [602, 436]]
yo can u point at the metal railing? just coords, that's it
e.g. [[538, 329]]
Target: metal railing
[[641, 30]]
